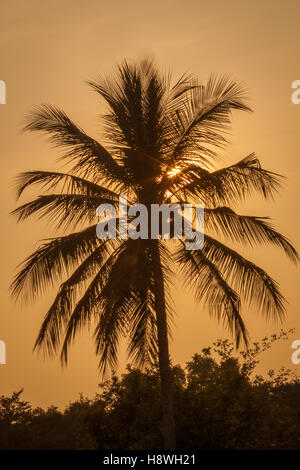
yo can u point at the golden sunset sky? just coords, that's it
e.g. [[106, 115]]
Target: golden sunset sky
[[48, 50]]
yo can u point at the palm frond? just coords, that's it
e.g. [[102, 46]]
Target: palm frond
[[246, 229], [117, 300], [64, 210], [209, 285], [202, 119], [128, 305], [60, 311], [133, 124], [133, 97], [227, 185], [144, 319], [91, 158], [69, 183], [88, 305], [52, 260], [142, 345], [247, 279]]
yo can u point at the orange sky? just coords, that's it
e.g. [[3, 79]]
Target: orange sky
[[48, 50]]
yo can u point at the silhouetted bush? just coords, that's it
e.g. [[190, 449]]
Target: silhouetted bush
[[219, 404]]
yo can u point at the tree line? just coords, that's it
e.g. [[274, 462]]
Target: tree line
[[220, 402]]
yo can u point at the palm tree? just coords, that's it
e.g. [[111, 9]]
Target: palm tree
[[151, 128]]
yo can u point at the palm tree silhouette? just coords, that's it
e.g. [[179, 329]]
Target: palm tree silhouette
[[161, 145]]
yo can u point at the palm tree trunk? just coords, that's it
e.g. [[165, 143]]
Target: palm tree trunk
[[163, 353]]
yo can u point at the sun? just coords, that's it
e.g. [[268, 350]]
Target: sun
[[174, 172]]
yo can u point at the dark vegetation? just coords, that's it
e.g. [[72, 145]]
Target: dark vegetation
[[219, 400]]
